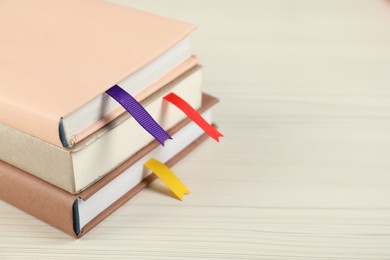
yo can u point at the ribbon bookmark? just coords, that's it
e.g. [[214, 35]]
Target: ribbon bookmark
[[139, 113], [193, 115], [168, 177]]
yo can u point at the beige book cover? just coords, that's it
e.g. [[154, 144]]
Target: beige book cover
[[57, 55], [56, 207]]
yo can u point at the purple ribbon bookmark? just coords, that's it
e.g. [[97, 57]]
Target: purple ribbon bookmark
[[139, 113]]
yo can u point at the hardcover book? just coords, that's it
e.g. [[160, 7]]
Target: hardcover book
[[77, 214], [57, 59]]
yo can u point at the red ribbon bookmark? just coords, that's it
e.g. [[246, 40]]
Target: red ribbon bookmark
[[193, 115]]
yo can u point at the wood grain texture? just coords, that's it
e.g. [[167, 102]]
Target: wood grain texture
[[304, 169]]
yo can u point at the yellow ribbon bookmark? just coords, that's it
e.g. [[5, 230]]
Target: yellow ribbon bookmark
[[168, 177]]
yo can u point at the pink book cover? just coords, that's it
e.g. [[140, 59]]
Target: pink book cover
[[56, 56]]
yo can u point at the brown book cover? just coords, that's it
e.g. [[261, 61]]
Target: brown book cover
[[59, 208]]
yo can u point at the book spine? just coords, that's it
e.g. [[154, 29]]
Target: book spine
[[37, 157], [38, 198], [27, 120]]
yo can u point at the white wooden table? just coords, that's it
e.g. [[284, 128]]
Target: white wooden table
[[304, 169]]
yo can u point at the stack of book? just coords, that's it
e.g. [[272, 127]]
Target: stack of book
[[91, 92]]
